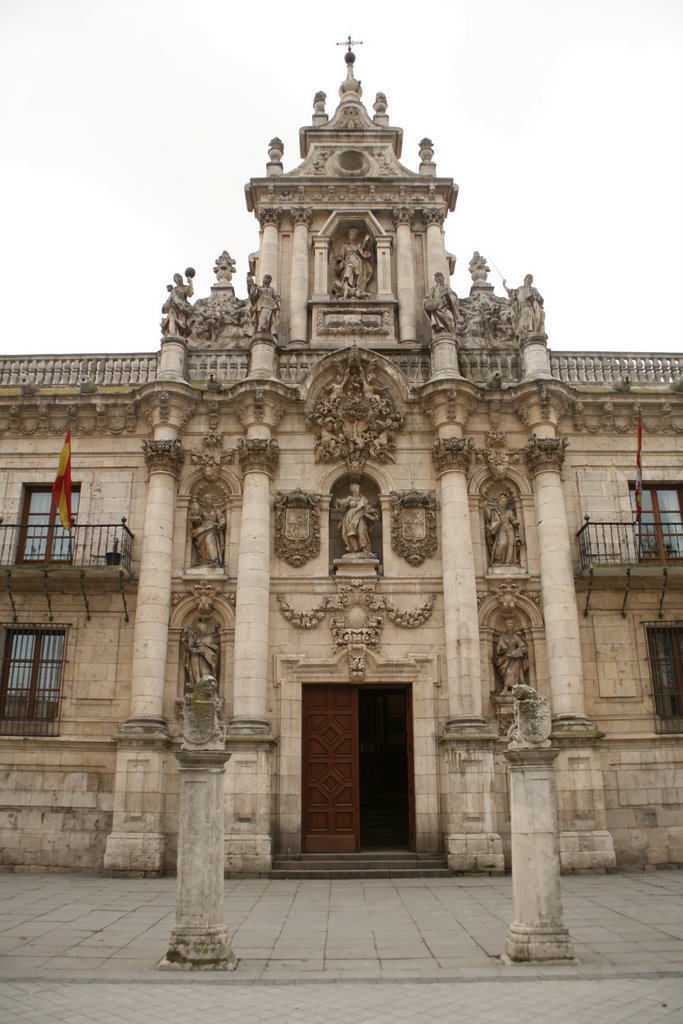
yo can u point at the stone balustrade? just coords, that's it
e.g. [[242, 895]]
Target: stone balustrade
[[609, 368], [70, 371]]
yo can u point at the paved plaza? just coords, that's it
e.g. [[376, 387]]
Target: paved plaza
[[80, 949]]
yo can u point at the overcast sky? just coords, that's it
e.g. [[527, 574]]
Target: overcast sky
[[128, 131]]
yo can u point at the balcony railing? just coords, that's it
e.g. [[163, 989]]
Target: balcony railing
[[87, 546], [630, 543]]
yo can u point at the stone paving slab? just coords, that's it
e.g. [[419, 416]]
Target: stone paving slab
[[81, 949]]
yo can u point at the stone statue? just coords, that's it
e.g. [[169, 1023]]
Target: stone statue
[[208, 532], [441, 306], [202, 652], [353, 265], [502, 532], [528, 315], [531, 724], [479, 268], [264, 306], [177, 309], [510, 656], [359, 515]]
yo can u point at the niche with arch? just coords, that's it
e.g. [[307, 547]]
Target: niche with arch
[[504, 543], [207, 524], [350, 517]]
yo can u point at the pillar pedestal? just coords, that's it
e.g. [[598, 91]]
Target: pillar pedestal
[[472, 845], [538, 933], [200, 940]]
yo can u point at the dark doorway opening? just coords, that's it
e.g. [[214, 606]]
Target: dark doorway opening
[[385, 768]]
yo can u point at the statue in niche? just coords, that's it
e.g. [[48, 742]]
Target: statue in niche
[[353, 265], [264, 306], [441, 307], [202, 652], [207, 526], [510, 656], [178, 310], [528, 315], [502, 532], [359, 515]]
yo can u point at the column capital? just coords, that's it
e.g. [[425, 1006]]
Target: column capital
[[543, 453], [403, 215], [259, 455], [164, 456], [450, 453], [434, 215], [301, 215], [270, 215]]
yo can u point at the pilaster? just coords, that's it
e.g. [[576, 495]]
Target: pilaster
[[405, 272]]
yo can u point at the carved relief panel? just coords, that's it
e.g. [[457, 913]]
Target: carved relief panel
[[297, 527]]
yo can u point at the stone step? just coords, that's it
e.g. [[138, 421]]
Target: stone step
[[301, 873], [389, 864]]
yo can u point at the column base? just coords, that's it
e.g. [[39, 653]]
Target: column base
[[546, 944], [199, 949], [568, 726], [475, 853], [135, 854], [247, 727], [464, 728]]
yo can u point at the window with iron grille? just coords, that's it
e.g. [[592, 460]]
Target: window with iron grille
[[665, 654], [31, 680]]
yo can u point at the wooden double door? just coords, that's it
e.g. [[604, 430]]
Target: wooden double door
[[357, 784]]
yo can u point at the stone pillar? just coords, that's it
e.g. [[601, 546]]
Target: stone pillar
[[321, 255], [467, 743], [538, 932], [268, 257], [405, 272], [535, 358], [436, 251], [137, 843], [545, 457], [298, 291], [173, 359], [263, 362], [383, 244]]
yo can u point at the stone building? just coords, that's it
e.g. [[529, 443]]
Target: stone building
[[367, 508]]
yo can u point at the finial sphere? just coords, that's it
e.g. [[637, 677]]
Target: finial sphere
[[350, 57], [190, 272]]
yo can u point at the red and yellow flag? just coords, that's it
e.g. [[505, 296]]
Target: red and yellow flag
[[61, 489], [639, 469]]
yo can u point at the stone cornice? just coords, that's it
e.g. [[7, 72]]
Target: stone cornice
[[448, 401], [168, 403], [258, 455], [545, 453], [449, 453], [164, 456]]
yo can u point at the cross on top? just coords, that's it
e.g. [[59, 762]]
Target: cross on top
[[351, 42]]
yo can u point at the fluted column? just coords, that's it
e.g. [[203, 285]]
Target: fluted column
[[545, 457], [298, 291], [405, 273], [150, 644], [268, 258], [258, 459], [452, 457], [436, 252]]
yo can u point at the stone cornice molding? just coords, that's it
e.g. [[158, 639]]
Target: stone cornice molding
[[545, 453], [453, 453], [447, 402], [258, 455], [170, 403], [164, 456], [403, 215]]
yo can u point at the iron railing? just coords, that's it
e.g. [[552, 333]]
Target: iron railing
[[88, 545], [654, 542]]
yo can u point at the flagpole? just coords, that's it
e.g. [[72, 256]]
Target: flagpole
[[639, 484]]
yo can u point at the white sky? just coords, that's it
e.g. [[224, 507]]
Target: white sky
[[128, 130]]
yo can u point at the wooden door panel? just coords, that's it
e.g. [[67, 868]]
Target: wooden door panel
[[330, 769]]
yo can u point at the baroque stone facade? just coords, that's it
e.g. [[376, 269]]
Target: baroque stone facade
[[374, 513]]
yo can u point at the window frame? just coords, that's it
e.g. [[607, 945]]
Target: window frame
[[664, 644], [38, 665], [52, 537], [652, 539]]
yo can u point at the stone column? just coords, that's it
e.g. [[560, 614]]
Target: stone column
[[137, 843], [173, 359], [383, 243], [298, 291], [321, 255], [467, 742], [545, 457], [405, 272], [436, 251], [268, 257], [538, 932], [535, 358]]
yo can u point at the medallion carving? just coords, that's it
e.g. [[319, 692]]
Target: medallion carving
[[355, 419], [297, 527], [413, 525]]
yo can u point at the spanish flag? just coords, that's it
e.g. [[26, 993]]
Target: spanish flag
[[61, 489], [639, 469]]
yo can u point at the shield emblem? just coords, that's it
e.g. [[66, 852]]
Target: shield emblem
[[414, 524], [297, 524]]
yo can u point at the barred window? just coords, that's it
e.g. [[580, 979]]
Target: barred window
[[31, 680], [665, 653]]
